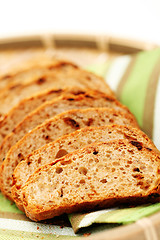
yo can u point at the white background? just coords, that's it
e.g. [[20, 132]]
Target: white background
[[136, 19]]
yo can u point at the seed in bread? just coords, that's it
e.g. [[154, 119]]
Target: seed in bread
[[99, 176], [54, 128], [69, 143]]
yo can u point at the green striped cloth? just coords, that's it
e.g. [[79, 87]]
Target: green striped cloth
[[135, 80]]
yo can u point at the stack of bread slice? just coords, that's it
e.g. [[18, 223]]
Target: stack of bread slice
[[67, 144]]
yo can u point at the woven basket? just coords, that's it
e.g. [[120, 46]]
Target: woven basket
[[85, 50]]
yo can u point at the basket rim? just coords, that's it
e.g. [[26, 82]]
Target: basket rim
[[94, 41]]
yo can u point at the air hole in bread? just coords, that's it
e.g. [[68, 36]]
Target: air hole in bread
[[18, 187], [91, 160], [149, 149], [70, 99], [138, 145], [20, 155], [136, 170], [79, 92], [103, 180], [71, 122], [129, 162], [83, 170], [95, 152], [66, 162], [89, 122], [61, 153], [61, 194], [82, 181], [39, 160], [138, 176], [59, 170], [47, 137], [127, 166], [102, 120], [41, 81], [111, 120], [143, 185]]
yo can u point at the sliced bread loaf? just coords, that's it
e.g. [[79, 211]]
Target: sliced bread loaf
[[27, 105], [69, 143], [51, 129], [65, 77], [99, 176], [56, 106]]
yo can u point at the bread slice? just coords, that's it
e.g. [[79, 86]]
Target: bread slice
[[51, 129], [99, 176], [31, 72], [69, 143], [27, 105], [19, 61], [63, 75], [56, 106], [36, 70]]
